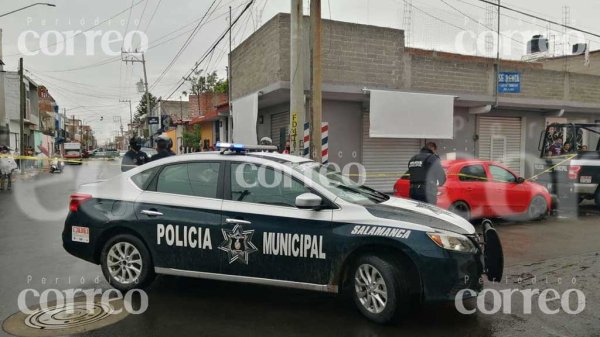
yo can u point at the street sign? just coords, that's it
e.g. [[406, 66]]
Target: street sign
[[509, 82], [152, 120]]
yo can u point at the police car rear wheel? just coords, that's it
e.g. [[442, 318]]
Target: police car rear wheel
[[597, 198], [380, 292], [126, 263]]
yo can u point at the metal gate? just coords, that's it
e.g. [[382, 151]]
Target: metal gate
[[500, 141], [385, 159], [279, 125]]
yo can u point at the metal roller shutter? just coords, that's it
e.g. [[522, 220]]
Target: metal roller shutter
[[385, 159], [500, 141], [279, 125]]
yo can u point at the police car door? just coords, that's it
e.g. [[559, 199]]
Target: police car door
[[264, 235], [180, 212]]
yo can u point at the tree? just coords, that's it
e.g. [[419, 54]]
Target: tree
[[210, 82], [141, 110], [192, 138]]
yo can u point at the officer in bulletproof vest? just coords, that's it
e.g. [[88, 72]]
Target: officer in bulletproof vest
[[162, 148], [426, 174], [134, 157]]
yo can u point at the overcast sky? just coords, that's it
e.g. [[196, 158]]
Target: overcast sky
[[97, 81]]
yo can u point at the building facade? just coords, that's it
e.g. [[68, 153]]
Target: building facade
[[360, 62]]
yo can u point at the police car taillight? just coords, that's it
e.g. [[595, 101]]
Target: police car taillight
[[574, 172], [77, 199]]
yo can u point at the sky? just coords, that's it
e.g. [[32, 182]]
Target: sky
[[86, 76]]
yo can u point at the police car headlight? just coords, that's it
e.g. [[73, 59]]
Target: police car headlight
[[451, 241]]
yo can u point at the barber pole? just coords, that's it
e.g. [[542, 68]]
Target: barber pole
[[324, 142], [306, 149]]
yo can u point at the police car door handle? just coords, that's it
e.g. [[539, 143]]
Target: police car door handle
[[237, 221], [151, 213]]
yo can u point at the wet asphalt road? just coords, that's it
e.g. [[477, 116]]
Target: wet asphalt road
[[552, 253]]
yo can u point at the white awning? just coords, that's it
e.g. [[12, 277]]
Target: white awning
[[245, 114], [395, 114]]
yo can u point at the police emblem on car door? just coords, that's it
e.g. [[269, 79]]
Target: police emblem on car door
[[238, 244]]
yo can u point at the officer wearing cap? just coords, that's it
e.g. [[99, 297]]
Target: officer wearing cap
[[426, 174], [162, 148], [134, 157]]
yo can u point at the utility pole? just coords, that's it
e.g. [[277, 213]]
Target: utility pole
[[130, 113], [297, 115], [229, 77], [21, 113], [73, 128], [316, 78], [133, 59], [498, 57]]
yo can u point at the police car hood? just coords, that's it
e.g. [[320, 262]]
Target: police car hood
[[422, 214]]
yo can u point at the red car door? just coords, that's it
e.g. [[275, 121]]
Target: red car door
[[507, 196], [472, 180]]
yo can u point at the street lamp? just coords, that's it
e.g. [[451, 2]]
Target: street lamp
[[35, 4]]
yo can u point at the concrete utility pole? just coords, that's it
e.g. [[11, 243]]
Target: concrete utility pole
[[130, 113], [133, 59], [316, 78], [22, 103], [229, 77], [297, 115]]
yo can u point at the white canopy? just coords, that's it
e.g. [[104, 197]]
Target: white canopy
[[245, 114]]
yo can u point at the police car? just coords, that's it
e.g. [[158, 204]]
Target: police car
[[278, 220]]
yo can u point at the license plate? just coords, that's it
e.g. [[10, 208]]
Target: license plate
[[80, 234], [585, 179]]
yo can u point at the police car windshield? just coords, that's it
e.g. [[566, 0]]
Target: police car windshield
[[340, 185]]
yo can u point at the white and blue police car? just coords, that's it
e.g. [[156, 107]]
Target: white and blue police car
[[261, 217]]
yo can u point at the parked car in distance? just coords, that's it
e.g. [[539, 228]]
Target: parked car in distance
[[104, 153], [149, 151], [481, 189]]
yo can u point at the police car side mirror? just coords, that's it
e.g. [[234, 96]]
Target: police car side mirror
[[308, 201]]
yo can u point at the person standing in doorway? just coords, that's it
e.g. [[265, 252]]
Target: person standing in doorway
[[426, 174]]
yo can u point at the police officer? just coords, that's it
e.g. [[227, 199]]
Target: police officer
[[426, 174], [134, 157], [162, 148]]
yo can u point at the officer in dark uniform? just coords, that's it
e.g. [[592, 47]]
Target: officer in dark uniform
[[162, 148], [134, 157], [426, 174]]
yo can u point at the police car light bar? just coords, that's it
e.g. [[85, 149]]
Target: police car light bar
[[243, 148]]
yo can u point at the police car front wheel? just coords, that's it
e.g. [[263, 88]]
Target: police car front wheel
[[126, 263], [380, 290]]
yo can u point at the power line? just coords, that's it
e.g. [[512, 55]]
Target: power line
[[83, 31], [479, 23], [156, 44], [212, 49], [540, 18], [184, 46]]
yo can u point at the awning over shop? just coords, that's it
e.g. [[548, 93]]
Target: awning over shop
[[395, 114], [245, 114]]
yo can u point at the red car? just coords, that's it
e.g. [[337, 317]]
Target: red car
[[478, 189]]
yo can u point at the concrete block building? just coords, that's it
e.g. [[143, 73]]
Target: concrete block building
[[360, 62]]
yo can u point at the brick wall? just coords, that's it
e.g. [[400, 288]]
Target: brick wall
[[207, 105], [375, 57], [584, 87], [255, 62], [352, 54]]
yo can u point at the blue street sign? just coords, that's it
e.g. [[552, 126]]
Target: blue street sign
[[509, 82], [152, 120]]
